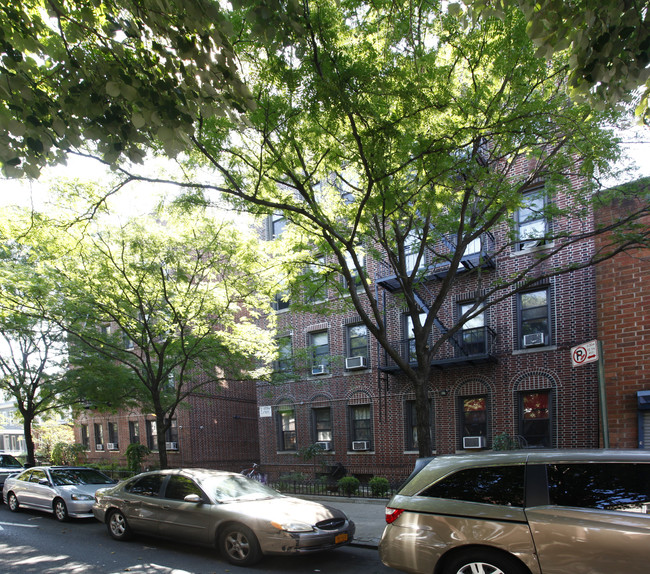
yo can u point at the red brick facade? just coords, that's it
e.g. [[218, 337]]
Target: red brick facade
[[623, 304], [501, 383], [216, 428]]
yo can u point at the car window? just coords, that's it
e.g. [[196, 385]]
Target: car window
[[24, 476], [148, 485], [179, 487], [606, 486], [8, 461], [37, 475], [68, 476], [502, 485]]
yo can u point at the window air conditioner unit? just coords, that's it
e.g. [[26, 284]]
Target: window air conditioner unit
[[319, 370], [360, 445], [533, 339], [111, 446], [99, 446], [171, 445], [356, 363], [473, 442], [324, 445]]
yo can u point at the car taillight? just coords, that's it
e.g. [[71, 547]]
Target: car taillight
[[392, 514]]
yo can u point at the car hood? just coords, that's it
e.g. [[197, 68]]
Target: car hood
[[279, 509]]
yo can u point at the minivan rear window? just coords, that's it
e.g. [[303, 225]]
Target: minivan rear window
[[604, 486], [502, 485]]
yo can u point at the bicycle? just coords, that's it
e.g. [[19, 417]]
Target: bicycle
[[254, 473]]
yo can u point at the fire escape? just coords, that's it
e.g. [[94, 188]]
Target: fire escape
[[468, 346]]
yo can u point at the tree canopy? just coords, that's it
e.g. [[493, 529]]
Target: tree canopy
[[608, 43], [172, 300], [381, 129]]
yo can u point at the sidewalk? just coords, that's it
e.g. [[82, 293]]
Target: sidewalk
[[368, 515]]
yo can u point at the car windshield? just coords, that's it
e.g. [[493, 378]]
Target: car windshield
[[62, 477], [8, 461], [233, 488]]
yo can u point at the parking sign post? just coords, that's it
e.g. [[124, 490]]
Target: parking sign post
[[588, 353]]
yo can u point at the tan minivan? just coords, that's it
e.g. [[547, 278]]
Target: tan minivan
[[523, 512]]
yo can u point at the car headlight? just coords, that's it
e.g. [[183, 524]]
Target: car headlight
[[293, 526], [81, 497]]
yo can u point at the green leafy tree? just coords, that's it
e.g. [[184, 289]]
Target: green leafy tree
[[172, 299], [385, 130], [608, 43]]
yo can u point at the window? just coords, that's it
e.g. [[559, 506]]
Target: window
[[411, 423], [152, 434], [127, 341], [112, 435], [535, 421], [315, 283], [85, 438], [37, 476], [532, 225], [472, 336], [354, 272], [148, 485], [134, 432], [502, 485], [283, 364], [320, 348], [99, 436], [412, 244], [286, 419], [276, 225], [179, 487], [281, 301], [322, 417], [360, 423], [357, 341], [410, 335], [171, 436], [473, 416], [607, 486], [534, 318]]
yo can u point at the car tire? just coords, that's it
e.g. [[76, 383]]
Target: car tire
[[479, 561], [12, 502], [60, 510], [117, 526], [238, 544]]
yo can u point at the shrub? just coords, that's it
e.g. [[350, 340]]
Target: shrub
[[68, 454], [503, 441], [135, 454], [379, 486], [349, 485]]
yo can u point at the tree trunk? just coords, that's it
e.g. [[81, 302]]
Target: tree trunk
[[422, 414], [29, 441], [161, 434]]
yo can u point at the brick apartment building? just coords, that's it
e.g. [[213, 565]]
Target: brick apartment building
[[623, 307], [214, 428], [515, 376]]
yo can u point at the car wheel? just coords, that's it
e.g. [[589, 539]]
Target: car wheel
[[484, 562], [239, 545], [117, 526], [60, 510], [12, 502]]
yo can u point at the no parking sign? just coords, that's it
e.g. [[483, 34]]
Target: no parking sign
[[585, 353]]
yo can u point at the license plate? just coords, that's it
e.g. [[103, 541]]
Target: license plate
[[341, 538]]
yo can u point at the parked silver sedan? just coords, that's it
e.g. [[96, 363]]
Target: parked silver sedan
[[243, 518], [65, 491]]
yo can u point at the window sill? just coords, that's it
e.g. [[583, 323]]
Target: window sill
[[544, 247], [534, 350], [366, 452]]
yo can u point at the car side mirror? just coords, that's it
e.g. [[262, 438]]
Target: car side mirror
[[44, 482], [195, 498]]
